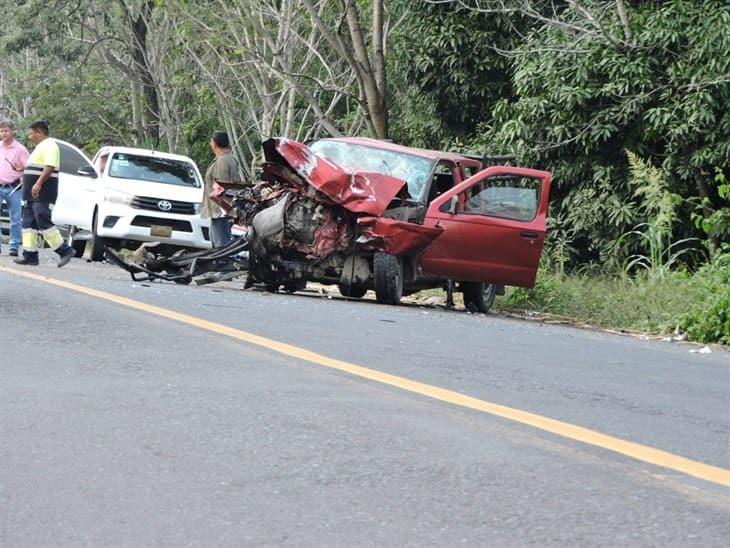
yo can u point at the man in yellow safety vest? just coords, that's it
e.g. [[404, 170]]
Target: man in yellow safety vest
[[40, 190]]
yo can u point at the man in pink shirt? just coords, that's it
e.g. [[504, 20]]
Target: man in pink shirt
[[13, 157]]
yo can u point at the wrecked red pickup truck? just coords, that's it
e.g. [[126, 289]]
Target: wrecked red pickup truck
[[368, 214]]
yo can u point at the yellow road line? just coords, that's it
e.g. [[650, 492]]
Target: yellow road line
[[637, 451]]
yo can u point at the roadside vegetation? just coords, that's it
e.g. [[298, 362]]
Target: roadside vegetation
[[624, 101], [649, 284], [694, 307]]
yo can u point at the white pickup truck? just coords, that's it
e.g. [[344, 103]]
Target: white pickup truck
[[136, 195]]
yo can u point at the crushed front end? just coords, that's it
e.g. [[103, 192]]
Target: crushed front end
[[312, 220]]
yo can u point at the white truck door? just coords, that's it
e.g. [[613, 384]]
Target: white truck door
[[78, 183]]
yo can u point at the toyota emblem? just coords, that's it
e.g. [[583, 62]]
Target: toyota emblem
[[164, 205]]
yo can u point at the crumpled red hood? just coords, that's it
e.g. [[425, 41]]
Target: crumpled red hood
[[358, 192]]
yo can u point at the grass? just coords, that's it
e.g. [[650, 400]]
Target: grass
[[642, 303]]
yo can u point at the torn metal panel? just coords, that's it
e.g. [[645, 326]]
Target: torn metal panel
[[269, 223], [358, 192], [395, 237]]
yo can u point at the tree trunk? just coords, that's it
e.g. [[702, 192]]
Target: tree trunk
[[702, 190], [379, 60], [374, 96], [138, 129], [624, 19], [141, 64], [369, 75]]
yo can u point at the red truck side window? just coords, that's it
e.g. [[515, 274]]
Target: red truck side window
[[506, 196]]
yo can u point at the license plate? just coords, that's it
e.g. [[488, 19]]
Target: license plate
[[161, 231]]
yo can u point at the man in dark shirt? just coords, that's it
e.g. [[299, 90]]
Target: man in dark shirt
[[224, 169]]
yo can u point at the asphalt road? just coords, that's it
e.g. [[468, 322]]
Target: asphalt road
[[121, 427]]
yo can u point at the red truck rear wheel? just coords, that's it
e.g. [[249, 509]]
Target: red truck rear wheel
[[478, 295]]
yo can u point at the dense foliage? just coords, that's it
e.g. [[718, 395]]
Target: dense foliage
[[449, 78], [582, 101]]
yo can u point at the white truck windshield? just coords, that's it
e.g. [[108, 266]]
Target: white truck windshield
[[157, 170]]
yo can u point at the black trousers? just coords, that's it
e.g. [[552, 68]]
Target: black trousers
[[36, 222], [37, 215]]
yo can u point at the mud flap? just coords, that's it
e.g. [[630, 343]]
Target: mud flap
[[355, 270]]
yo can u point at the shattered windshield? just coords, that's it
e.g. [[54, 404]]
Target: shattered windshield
[[155, 169], [354, 157]]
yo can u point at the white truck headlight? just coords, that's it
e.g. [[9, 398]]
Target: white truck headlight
[[116, 197]]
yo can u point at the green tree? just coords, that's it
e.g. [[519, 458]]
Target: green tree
[[661, 90], [448, 69]]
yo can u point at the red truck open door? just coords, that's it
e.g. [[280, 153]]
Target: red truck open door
[[493, 227]]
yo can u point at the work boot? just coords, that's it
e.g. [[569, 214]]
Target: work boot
[[30, 259], [13, 253], [66, 256]]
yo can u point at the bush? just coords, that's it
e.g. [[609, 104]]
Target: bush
[[709, 319]]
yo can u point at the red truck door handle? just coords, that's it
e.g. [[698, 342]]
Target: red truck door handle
[[528, 234]]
